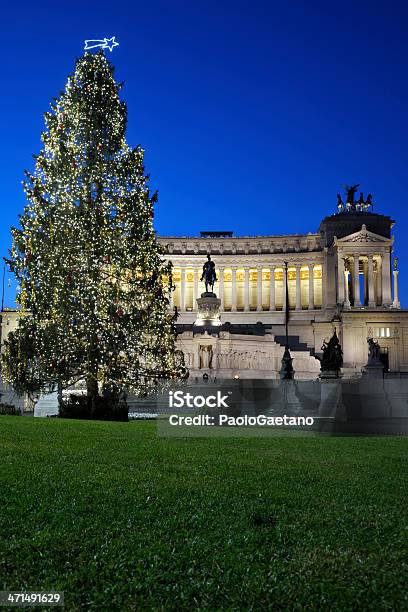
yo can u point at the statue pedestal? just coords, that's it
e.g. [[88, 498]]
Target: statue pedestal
[[290, 402], [208, 315], [331, 404], [374, 370], [329, 374]]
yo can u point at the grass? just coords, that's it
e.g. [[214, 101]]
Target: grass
[[120, 519]]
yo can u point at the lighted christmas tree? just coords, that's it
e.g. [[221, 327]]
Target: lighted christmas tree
[[93, 283]]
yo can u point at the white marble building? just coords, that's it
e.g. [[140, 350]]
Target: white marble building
[[340, 276]]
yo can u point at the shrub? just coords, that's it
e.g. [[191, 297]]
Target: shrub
[[9, 409], [107, 408]]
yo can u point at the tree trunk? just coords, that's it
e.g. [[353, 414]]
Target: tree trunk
[[92, 389], [92, 392], [59, 395]]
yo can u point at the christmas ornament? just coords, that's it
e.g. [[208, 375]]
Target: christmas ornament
[[105, 43]]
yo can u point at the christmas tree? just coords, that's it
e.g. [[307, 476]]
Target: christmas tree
[[93, 283]]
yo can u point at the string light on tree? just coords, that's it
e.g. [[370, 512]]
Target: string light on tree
[[94, 285]]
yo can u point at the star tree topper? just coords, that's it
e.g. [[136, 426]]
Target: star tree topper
[[104, 43]]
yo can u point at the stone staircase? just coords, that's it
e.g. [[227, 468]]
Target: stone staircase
[[302, 352], [295, 343]]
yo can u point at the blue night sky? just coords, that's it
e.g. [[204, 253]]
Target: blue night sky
[[253, 114]]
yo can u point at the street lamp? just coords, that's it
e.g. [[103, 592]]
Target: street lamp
[[286, 372]]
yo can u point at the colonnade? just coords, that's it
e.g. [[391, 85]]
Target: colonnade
[[377, 280], [249, 288]]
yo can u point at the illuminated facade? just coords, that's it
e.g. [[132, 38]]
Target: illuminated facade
[[338, 277], [341, 276], [353, 271]]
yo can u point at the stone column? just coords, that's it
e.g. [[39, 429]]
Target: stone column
[[221, 286], [378, 283], [365, 279], [396, 302], [386, 279], [272, 290], [340, 278], [325, 283], [183, 289], [259, 289], [370, 270], [346, 289], [298, 292], [234, 290], [246, 290], [311, 287], [195, 289], [285, 297], [357, 303]]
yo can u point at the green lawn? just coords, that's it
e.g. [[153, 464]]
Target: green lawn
[[120, 519]]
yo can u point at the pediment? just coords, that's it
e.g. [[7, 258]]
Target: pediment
[[363, 236]]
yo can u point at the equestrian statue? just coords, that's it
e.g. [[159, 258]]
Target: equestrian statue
[[209, 276]]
